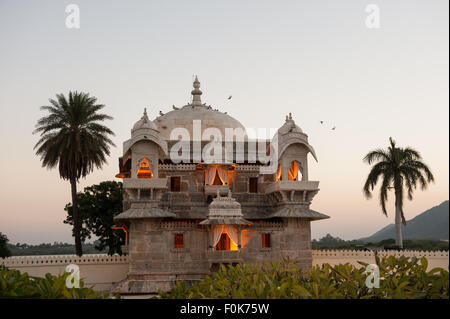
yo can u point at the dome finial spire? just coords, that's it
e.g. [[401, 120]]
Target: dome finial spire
[[196, 93], [145, 116]]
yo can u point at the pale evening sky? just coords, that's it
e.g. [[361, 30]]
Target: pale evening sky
[[316, 59]]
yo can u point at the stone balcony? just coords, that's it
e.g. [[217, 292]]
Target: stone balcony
[[212, 189], [292, 186], [224, 256], [301, 192], [145, 188], [145, 183]]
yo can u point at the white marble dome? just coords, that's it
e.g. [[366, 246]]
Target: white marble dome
[[183, 117], [144, 123]]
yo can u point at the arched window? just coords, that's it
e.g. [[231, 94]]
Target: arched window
[[144, 169], [279, 173], [295, 173], [225, 243], [216, 175]]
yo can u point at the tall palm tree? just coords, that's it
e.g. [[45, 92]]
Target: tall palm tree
[[72, 137], [399, 168]]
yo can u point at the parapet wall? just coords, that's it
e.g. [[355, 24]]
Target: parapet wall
[[103, 271], [334, 257]]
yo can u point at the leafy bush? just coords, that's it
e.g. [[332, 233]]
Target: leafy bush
[[14, 284], [399, 278], [4, 251]]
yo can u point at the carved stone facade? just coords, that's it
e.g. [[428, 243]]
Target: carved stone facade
[[185, 219]]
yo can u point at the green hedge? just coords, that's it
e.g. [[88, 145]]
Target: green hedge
[[399, 278], [14, 284]]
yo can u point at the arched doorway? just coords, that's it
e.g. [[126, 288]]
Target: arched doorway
[[295, 171], [225, 243]]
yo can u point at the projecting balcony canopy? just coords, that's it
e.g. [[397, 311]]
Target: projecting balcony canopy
[[298, 212], [226, 221], [142, 213]]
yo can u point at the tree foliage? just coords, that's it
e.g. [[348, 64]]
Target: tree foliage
[[400, 278], [4, 251], [98, 205], [400, 169], [14, 284], [73, 138]]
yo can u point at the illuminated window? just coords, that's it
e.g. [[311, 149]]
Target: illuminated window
[[266, 240], [225, 243], [253, 184], [279, 173], [175, 184], [294, 172], [216, 175], [178, 241], [144, 169], [217, 180]]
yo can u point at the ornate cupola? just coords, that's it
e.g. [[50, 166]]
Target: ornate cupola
[[196, 93], [225, 210]]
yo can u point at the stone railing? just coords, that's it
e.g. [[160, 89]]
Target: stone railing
[[267, 224], [368, 253], [333, 257], [251, 168], [177, 167], [179, 224], [292, 186], [101, 271], [51, 260], [224, 256]]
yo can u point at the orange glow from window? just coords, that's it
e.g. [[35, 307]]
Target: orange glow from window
[[144, 170], [226, 243], [293, 171], [279, 173]]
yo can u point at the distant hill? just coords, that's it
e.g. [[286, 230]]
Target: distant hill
[[431, 224]]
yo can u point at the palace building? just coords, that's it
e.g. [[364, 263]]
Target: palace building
[[195, 203]]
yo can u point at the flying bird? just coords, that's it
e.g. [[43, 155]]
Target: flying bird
[[334, 127], [321, 122], [230, 97]]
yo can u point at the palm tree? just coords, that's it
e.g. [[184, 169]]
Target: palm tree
[[398, 168], [72, 138]]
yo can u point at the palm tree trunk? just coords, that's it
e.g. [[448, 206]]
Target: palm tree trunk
[[76, 220], [398, 220]]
